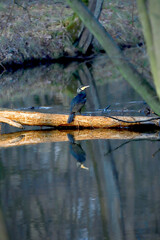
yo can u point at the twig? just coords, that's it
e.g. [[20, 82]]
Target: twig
[[133, 13], [137, 121], [4, 69], [10, 13], [24, 8]]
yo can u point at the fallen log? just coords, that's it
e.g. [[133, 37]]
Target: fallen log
[[80, 121]]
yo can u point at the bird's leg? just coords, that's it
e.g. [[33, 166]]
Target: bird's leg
[[77, 120], [92, 126]]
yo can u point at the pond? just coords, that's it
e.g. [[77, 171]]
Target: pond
[[77, 189]]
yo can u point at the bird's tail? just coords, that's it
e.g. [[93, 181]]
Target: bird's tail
[[71, 117]]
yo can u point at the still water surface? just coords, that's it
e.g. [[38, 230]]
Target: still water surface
[[44, 192]]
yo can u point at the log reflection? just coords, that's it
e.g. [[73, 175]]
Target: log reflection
[[42, 136]]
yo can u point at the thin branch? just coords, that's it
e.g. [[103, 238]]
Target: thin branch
[[4, 69], [25, 9], [135, 121]]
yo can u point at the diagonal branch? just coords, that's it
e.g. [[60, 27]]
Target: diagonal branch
[[147, 31], [137, 81]]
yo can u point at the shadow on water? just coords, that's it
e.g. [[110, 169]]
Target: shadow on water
[[44, 195]]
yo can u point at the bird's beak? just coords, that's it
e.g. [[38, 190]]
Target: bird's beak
[[82, 88]]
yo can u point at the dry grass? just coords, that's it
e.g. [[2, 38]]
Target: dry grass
[[36, 30], [121, 21], [33, 32]]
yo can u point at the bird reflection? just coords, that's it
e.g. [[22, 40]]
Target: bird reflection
[[77, 152]]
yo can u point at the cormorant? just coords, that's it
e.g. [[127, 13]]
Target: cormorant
[[77, 103]]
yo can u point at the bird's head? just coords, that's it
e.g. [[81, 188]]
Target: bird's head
[[82, 88]]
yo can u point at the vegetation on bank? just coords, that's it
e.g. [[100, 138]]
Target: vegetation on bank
[[45, 31], [35, 32]]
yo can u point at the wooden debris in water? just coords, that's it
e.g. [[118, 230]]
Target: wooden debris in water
[[60, 120]]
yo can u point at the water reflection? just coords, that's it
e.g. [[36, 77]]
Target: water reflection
[[55, 86], [77, 152], [43, 195]]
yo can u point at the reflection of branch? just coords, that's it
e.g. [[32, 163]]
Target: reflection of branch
[[121, 145], [129, 141], [87, 78], [153, 155]]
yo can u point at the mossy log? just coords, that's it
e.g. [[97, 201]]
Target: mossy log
[[80, 121]]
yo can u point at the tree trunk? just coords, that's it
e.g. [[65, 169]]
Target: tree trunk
[[86, 38], [128, 71], [149, 14]]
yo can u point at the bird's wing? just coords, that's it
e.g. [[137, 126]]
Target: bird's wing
[[77, 104]]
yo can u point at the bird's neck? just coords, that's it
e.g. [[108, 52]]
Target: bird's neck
[[82, 93]]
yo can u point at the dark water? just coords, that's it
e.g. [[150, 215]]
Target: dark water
[[44, 192]]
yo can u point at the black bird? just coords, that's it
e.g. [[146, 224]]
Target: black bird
[[77, 103]]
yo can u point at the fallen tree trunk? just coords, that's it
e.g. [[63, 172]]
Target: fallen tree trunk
[[60, 120]]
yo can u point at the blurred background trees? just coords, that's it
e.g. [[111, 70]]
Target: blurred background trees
[[38, 30], [149, 12]]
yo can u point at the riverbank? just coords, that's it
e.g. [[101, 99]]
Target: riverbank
[[35, 33]]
